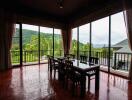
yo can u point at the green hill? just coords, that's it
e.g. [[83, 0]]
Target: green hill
[[27, 34], [30, 41]]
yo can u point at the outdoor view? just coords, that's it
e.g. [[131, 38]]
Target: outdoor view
[[84, 42], [15, 49], [30, 44], [35, 42], [120, 53], [73, 49], [100, 40]]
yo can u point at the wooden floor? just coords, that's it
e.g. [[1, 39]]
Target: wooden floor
[[34, 83]]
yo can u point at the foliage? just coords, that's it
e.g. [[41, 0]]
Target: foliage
[[30, 43]]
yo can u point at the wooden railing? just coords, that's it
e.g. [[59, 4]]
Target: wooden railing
[[118, 61], [33, 55]]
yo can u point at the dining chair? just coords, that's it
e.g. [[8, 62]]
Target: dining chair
[[70, 56], [61, 70], [49, 59], [92, 61], [53, 66], [83, 59], [72, 75]]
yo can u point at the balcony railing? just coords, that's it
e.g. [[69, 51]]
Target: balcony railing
[[118, 61], [32, 56]]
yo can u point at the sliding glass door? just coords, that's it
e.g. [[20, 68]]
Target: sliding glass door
[[46, 43], [15, 48], [58, 46], [84, 42], [30, 44], [100, 40], [73, 49], [121, 55]]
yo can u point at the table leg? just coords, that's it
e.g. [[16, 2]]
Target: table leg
[[97, 80], [83, 86]]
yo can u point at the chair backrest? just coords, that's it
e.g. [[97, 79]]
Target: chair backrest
[[83, 58], [70, 56], [52, 61], [49, 60], [93, 60], [69, 68], [61, 63]]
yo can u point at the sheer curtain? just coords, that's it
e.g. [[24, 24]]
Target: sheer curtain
[[66, 37], [128, 23], [7, 21]]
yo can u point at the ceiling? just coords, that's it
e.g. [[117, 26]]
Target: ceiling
[[48, 9]]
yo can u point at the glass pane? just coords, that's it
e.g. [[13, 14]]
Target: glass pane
[[100, 35], [30, 44], [84, 44], [15, 48], [121, 53], [46, 43], [58, 46], [73, 49]]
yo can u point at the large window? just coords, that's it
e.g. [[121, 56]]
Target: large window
[[30, 44], [58, 46], [46, 43], [73, 49], [37, 43], [119, 43], [15, 49], [84, 43], [100, 36]]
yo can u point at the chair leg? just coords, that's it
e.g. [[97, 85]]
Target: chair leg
[[66, 83], [88, 83], [73, 89], [54, 73], [48, 66]]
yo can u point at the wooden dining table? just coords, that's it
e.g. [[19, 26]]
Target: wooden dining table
[[83, 68]]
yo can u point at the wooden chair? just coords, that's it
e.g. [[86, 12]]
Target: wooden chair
[[61, 70], [70, 56], [83, 59], [72, 75], [92, 61], [49, 58], [53, 66]]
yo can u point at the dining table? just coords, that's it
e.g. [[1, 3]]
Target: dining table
[[83, 68]]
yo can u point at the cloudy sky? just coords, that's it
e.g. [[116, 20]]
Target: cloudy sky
[[100, 30]]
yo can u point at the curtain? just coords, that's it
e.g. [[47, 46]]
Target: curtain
[[66, 37], [128, 23], [69, 35], [7, 21]]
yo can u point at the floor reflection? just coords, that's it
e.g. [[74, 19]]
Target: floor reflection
[[35, 83]]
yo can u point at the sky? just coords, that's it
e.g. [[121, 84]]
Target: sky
[[100, 30], [42, 29]]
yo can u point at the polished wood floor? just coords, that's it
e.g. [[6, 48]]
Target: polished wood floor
[[34, 83]]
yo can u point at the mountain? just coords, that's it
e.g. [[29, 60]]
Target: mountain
[[99, 45], [27, 34]]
